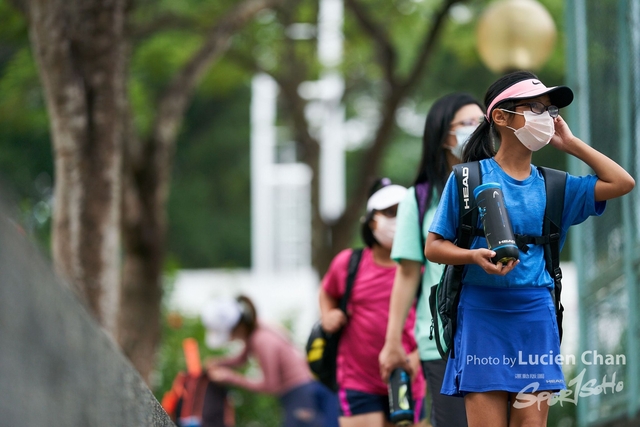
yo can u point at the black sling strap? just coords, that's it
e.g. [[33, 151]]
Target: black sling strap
[[468, 176], [554, 181], [354, 261]]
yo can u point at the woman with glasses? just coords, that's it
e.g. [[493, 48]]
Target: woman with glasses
[[449, 123], [507, 332], [363, 396]]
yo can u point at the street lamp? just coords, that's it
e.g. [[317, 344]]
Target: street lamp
[[515, 35]]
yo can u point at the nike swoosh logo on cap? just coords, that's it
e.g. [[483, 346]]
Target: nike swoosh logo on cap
[[536, 82]]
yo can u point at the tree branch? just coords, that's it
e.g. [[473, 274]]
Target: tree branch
[[21, 5], [173, 102], [427, 46], [372, 157], [385, 50], [161, 23], [288, 84]]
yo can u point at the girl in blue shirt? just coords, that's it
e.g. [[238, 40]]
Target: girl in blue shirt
[[506, 327]]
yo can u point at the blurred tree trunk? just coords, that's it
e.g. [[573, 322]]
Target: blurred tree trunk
[[147, 175], [78, 46], [83, 52]]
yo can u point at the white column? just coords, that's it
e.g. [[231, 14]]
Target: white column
[[331, 85], [263, 141], [330, 21]]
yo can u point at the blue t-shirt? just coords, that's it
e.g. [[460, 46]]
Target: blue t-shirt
[[525, 202]]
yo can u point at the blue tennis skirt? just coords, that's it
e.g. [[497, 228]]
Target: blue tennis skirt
[[506, 340]]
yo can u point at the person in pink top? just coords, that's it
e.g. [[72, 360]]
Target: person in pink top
[[362, 394], [285, 372]]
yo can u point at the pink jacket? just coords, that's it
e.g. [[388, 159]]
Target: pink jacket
[[283, 365]]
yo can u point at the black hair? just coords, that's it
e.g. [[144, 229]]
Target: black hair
[[248, 314], [365, 228], [480, 144], [433, 163]]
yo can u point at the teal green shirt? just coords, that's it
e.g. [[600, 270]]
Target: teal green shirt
[[407, 244]]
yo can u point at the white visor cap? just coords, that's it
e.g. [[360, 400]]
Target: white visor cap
[[386, 197], [219, 317]]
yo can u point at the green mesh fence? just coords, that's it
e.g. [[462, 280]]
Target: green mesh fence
[[603, 46]]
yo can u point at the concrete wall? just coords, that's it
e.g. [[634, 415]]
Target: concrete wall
[[57, 366]]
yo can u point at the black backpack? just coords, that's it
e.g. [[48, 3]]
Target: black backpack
[[322, 347], [445, 295]]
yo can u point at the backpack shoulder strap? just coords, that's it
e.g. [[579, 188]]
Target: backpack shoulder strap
[[422, 192], [354, 262], [554, 182], [468, 177]]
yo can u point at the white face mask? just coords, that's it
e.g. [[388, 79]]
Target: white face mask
[[385, 230], [462, 136], [537, 131]]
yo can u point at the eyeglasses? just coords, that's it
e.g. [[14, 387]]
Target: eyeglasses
[[475, 121], [539, 108]]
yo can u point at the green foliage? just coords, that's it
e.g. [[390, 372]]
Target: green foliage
[[158, 58], [223, 80], [209, 204], [141, 100], [26, 164], [13, 27], [22, 103], [196, 15]]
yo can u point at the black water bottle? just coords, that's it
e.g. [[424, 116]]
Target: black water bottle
[[496, 223], [400, 398]]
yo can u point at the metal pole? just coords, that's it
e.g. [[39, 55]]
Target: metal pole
[[635, 47], [626, 135], [579, 118]]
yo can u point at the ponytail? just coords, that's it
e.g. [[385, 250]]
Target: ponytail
[[480, 145], [248, 315]]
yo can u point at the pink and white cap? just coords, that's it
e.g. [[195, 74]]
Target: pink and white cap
[[561, 96]]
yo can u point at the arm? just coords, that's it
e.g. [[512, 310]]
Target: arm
[[414, 363], [233, 361], [405, 287], [268, 358], [442, 251], [228, 376], [613, 180], [331, 316]]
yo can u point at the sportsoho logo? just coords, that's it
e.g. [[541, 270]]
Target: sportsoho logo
[[578, 387]]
